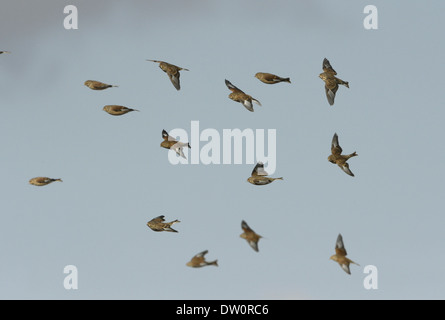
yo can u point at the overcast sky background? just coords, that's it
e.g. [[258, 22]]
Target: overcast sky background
[[116, 176]]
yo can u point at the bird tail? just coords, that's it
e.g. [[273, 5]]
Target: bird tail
[[287, 80], [346, 84], [281, 178], [188, 145], [350, 261], [57, 180], [353, 154], [215, 263]]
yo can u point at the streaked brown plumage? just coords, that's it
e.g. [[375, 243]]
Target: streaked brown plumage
[[199, 261], [171, 143], [158, 224], [331, 81], [172, 72], [241, 97], [250, 236], [42, 181], [97, 85], [270, 78], [340, 255], [337, 158], [116, 110], [259, 176]]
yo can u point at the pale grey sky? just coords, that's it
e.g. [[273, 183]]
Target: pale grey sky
[[116, 176]]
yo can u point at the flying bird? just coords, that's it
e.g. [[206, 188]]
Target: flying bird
[[42, 181], [241, 97], [270, 78], [97, 85], [199, 261], [116, 110], [171, 143], [158, 224], [259, 176], [340, 255], [1, 52], [337, 158], [251, 237], [172, 72], [331, 81]]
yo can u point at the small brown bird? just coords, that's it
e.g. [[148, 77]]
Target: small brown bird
[[340, 255], [241, 97], [258, 176], [97, 85], [337, 158], [250, 235], [270, 78], [199, 261], [42, 181], [116, 110], [171, 143], [172, 72], [158, 224], [1, 52], [331, 81]]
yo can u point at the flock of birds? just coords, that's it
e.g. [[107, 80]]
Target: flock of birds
[[258, 176]]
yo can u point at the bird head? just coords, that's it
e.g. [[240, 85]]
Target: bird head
[[331, 159], [334, 257]]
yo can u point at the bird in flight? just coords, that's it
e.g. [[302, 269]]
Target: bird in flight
[[241, 97], [250, 236], [42, 181], [331, 81], [337, 158], [116, 110], [259, 176], [1, 52], [97, 85], [172, 72], [340, 255], [199, 261], [171, 143], [158, 224], [270, 78]]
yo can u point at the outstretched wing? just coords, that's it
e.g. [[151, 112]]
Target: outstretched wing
[[201, 254], [345, 167], [335, 146], [340, 247], [330, 94], [327, 67], [259, 170], [232, 87], [167, 137], [158, 219], [248, 105], [245, 227], [174, 78]]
